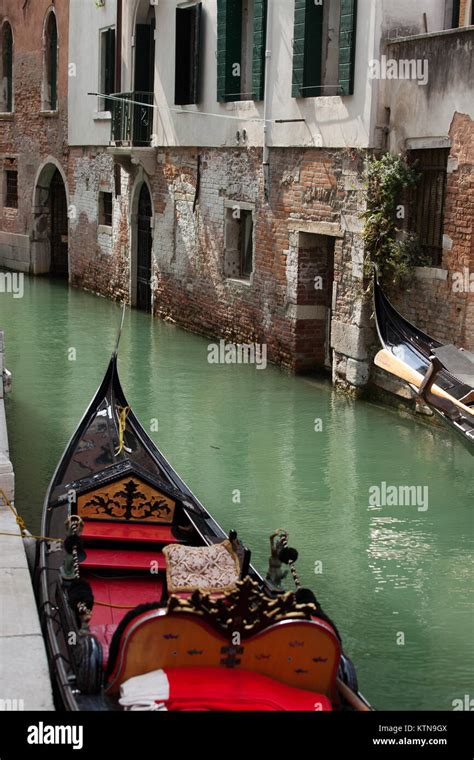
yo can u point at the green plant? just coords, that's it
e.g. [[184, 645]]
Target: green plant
[[394, 252]]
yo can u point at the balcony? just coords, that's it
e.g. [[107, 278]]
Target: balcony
[[132, 119]]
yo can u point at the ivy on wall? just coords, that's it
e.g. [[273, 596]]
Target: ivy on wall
[[392, 250]]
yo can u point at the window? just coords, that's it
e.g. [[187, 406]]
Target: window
[[50, 92], [427, 201], [107, 67], [456, 21], [6, 65], [11, 182], [241, 41], [239, 233], [324, 48], [105, 209], [188, 32]]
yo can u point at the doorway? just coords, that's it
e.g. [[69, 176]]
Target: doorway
[[314, 302], [144, 247], [59, 227]]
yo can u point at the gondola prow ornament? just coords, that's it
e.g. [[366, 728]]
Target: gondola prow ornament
[[281, 554]]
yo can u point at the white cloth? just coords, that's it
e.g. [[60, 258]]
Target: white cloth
[[145, 692]]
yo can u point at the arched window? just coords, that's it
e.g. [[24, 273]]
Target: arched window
[[50, 90], [6, 65]]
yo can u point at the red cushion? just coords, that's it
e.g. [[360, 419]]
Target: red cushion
[[235, 689]]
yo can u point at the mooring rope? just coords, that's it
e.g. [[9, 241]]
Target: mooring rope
[[122, 413], [21, 524]]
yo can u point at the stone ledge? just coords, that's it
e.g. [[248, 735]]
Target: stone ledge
[[348, 340], [301, 312], [431, 273], [19, 613], [317, 228], [24, 672]]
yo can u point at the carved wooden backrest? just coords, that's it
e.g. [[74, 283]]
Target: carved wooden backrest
[[128, 498], [283, 643]]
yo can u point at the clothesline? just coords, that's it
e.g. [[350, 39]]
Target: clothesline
[[196, 113]]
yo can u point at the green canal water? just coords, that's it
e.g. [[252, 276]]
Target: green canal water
[[379, 571]]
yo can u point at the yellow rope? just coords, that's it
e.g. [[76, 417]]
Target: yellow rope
[[30, 535], [21, 523], [122, 412]]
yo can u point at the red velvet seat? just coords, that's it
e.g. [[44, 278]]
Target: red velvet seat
[[227, 689]]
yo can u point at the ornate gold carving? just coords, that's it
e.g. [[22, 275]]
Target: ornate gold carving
[[246, 610], [128, 499]]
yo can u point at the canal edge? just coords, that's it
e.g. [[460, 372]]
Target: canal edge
[[24, 674]]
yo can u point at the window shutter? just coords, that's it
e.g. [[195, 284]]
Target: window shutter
[[9, 66], [347, 46], [229, 45], [109, 74], [143, 57], [307, 49], [196, 53], [187, 54], [455, 20], [259, 47], [298, 48], [54, 63]]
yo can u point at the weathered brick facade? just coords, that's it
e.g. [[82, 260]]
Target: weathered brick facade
[[33, 139], [432, 302], [310, 228]]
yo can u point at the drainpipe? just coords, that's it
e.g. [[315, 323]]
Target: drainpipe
[[118, 48], [266, 107]]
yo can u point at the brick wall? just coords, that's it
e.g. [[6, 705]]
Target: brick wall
[[99, 260], [29, 136], [312, 187], [431, 302]]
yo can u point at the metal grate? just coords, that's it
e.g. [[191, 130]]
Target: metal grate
[[427, 201], [11, 200], [132, 118]]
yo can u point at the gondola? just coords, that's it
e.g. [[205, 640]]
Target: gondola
[[442, 376], [146, 603]]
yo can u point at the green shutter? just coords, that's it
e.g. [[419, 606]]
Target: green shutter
[[307, 49], [298, 48], [347, 46], [8, 41], [54, 63], [229, 46], [259, 47]]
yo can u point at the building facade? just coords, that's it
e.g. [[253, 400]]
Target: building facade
[[34, 136], [216, 161]]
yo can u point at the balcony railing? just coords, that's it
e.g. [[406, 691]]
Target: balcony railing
[[132, 118]]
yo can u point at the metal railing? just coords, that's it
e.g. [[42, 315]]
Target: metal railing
[[132, 118]]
